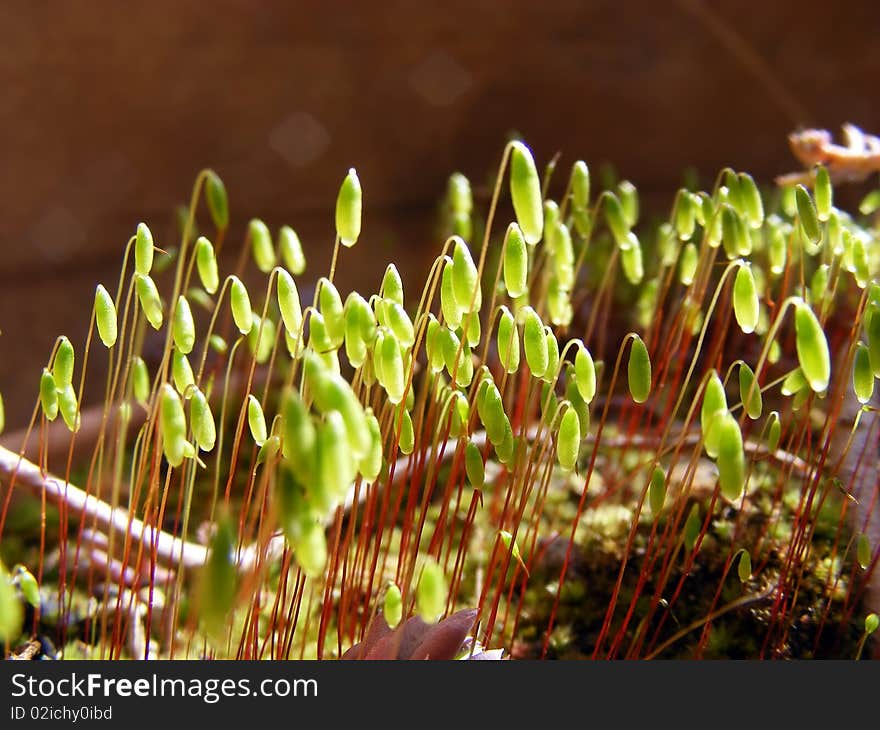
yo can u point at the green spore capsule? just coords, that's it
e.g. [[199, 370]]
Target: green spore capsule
[[734, 235], [311, 550], [872, 321], [746, 307], [870, 203], [687, 265], [269, 449], [140, 380], [349, 204], [863, 551], [806, 211], [753, 206], [774, 431], [754, 404], [289, 304], [629, 200], [242, 313], [460, 415], [585, 373], [615, 216], [28, 585], [863, 374], [11, 613], [261, 338], [261, 245], [461, 199], [337, 469], [490, 408], [534, 342], [332, 392], [172, 423], [525, 192], [298, 436], [516, 262], [332, 310], [448, 304], [465, 280], [568, 439], [812, 348], [69, 407], [150, 301], [508, 341], [714, 404], [731, 458], [861, 267], [580, 185], [218, 203], [631, 260], [639, 370], [392, 285], [558, 301], [48, 395], [183, 328], [431, 592], [744, 567], [794, 382], [256, 420], [392, 375], [181, 372], [473, 462], [202, 421], [823, 192], [392, 606], [219, 579], [371, 463], [291, 250], [400, 324], [206, 265], [692, 527], [552, 354], [62, 365], [872, 623], [407, 440], [105, 316], [684, 216], [143, 250], [657, 491]]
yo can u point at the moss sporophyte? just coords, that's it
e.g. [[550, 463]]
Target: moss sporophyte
[[589, 433]]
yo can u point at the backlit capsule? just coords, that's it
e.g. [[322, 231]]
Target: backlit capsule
[[289, 304], [140, 380], [330, 304], [183, 328], [391, 375], [105, 316], [639, 370], [731, 458], [240, 303], [806, 211], [746, 307], [62, 365], [863, 375], [753, 206], [48, 395], [687, 265], [616, 219], [465, 280], [823, 192], [580, 185], [812, 348], [290, 248], [525, 192], [753, 403], [202, 421], [631, 260], [348, 209], [568, 439], [714, 404], [218, 203], [473, 462], [172, 423], [150, 301], [181, 372], [392, 606], [552, 354], [206, 264], [508, 341], [516, 262], [143, 250], [256, 420], [657, 491], [744, 567], [406, 442], [774, 431], [371, 463], [448, 304], [534, 342], [261, 245]]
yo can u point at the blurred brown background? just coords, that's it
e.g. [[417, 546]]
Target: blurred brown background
[[110, 109]]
